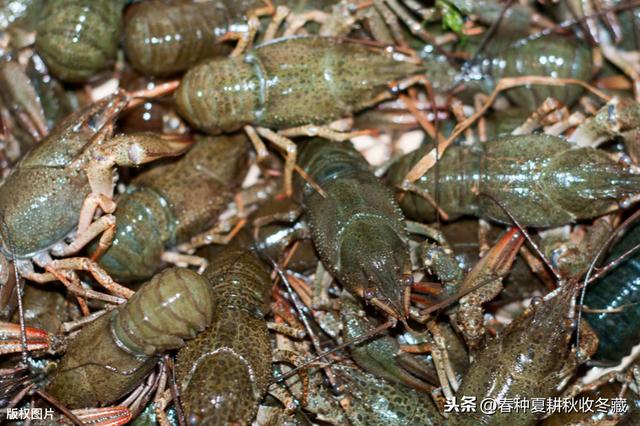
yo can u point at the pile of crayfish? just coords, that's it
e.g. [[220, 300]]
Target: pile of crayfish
[[306, 212]]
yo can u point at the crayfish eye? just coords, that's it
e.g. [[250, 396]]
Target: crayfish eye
[[536, 301], [339, 388], [625, 160], [407, 280], [368, 294], [625, 203]]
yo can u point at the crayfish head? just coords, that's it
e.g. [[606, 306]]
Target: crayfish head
[[375, 264], [587, 183]]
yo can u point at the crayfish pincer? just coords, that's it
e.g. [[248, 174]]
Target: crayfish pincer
[[61, 183], [115, 352], [356, 227]]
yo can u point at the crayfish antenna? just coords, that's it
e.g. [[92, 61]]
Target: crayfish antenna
[[526, 234], [6, 237], [391, 322], [376, 331], [491, 31], [453, 299]]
